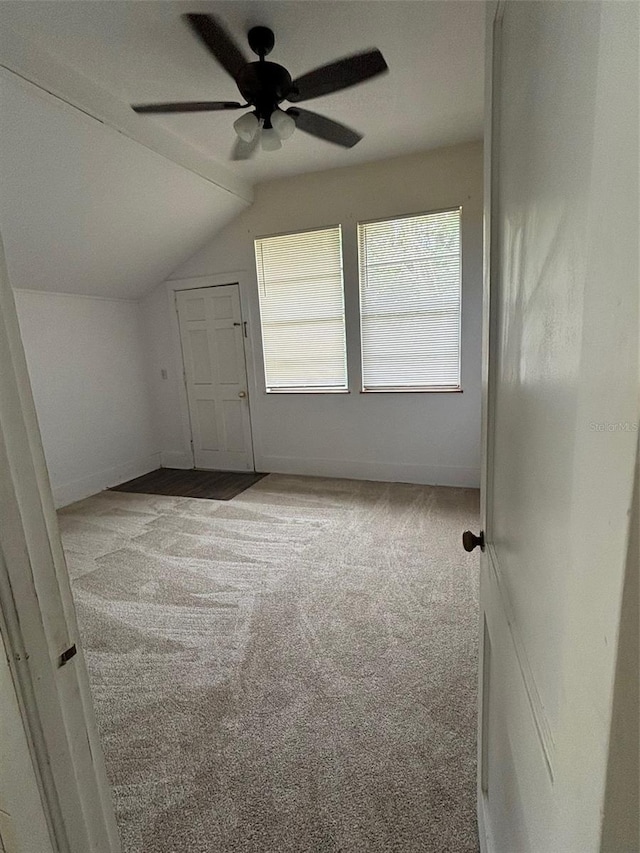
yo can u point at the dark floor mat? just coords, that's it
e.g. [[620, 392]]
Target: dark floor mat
[[212, 485]]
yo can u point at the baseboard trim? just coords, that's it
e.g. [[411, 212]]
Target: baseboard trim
[[67, 493], [429, 475], [176, 459]]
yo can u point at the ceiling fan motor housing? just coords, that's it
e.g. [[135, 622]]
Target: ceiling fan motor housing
[[261, 40], [264, 85]]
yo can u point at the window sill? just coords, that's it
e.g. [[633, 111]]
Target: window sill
[[278, 391], [411, 391]]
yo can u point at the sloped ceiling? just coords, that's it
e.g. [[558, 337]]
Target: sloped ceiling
[[84, 209], [98, 200]]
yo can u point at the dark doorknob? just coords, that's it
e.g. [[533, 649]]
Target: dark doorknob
[[470, 540]]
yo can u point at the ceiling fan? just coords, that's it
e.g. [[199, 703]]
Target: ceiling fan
[[265, 85]]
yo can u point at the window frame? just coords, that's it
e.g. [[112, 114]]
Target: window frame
[[435, 389], [303, 390]]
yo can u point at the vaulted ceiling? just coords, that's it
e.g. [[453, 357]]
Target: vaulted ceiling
[[84, 209], [97, 199]]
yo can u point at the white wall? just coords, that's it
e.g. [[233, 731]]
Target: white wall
[[162, 351], [88, 374], [426, 438]]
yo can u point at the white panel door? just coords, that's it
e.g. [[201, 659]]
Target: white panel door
[[560, 413], [212, 334], [60, 799]]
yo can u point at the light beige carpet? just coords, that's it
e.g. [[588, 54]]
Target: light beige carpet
[[292, 670]]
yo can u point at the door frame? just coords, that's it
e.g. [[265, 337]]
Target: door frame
[[172, 286]]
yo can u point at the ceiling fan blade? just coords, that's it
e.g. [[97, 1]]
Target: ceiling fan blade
[[338, 75], [324, 128], [186, 107], [245, 150], [219, 42]]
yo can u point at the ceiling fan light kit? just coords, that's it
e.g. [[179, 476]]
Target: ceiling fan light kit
[[248, 126], [265, 85]]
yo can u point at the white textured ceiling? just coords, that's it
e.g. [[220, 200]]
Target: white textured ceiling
[[141, 51]]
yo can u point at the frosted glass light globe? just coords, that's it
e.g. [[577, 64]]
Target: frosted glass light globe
[[246, 127], [270, 140], [282, 123]]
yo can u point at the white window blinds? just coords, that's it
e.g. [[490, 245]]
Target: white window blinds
[[302, 310], [410, 302]]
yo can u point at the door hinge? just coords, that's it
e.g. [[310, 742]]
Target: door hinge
[[66, 656]]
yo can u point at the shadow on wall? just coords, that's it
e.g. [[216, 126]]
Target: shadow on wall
[[622, 817]]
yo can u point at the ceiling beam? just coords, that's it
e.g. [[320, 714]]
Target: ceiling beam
[[29, 60]]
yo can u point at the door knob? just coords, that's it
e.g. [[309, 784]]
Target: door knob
[[242, 393], [470, 540]]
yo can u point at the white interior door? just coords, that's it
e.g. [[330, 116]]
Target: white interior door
[[54, 794], [212, 334], [560, 414]]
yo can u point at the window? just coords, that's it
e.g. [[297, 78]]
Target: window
[[410, 302], [302, 311]]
